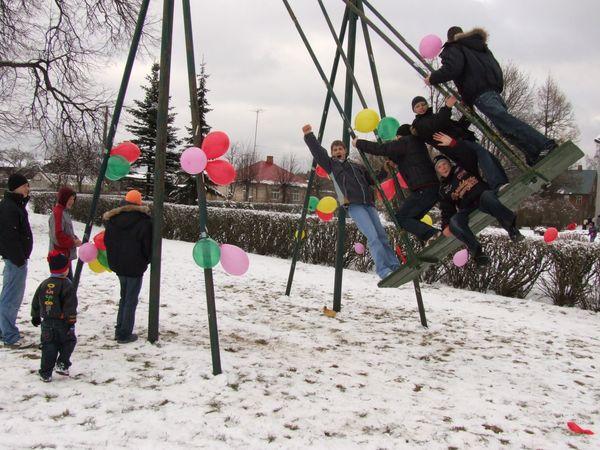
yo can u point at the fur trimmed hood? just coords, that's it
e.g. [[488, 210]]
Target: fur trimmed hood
[[125, 208], [474, 32]]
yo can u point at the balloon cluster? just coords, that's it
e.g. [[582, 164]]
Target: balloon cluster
[[324, 207], [430, 46], [208, 253], [196, 160], [94, 253], [120, 160], [368, 120]]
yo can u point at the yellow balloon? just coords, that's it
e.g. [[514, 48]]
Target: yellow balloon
[[427, 219], [327, 205], [96, 267], [366, 121], [303, 234]]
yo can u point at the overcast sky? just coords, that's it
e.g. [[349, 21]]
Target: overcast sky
[[256, 60]]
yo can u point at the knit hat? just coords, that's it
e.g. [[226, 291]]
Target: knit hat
[[64, 194], [418, 99], [440, 158], [58, 262], [15, 181], [453, 31], [134, 197], [403, 130]]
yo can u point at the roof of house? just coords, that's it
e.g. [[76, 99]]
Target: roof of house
[[575, 182], [271, 173]]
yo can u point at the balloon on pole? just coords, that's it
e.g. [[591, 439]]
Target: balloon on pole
[[430, 46], [215, 144], [325, 217], [312, 203], [234, 260], [221, 172], [366, 120], [99, 241], [321, 172], [193, 160], [327, 205], [117, 167], [96, 267], [387, 127], [87, 252], [127, 150], [206, 253]]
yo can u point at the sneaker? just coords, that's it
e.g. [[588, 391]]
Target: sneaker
[[45, 378], [481, 259], [62, 369], [515, 235], [131, 338]]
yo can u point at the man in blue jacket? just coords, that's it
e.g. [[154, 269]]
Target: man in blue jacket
[[16, 243]]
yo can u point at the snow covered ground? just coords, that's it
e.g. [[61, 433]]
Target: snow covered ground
[[490, 372]]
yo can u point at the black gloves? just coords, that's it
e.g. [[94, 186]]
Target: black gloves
[[36, 321]]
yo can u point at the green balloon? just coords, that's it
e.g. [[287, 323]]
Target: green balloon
[[102, 258], [117, 167], [206, 253], [387, 128], [312, 203]]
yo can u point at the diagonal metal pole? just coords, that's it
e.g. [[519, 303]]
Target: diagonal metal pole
[[108, 141], [200, 187], [302, 222], [159, 168]]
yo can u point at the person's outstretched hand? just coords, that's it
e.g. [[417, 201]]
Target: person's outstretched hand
[[307, 129], [442, 139], [451, 101]]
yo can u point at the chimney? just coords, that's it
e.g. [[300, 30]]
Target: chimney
[[579, 167], [269, 160]]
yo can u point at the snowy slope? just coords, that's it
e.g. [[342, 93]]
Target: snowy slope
[[490, 372]]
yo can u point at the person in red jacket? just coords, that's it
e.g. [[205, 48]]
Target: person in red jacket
[[62, 235]]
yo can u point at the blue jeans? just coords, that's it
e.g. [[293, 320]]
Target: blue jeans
[[530, 141], [414, 208], [367, 221], [489, 204], [13, 289], [492, 170], [130, 291]]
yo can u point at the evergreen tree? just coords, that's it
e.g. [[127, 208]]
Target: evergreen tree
[[144, 129]]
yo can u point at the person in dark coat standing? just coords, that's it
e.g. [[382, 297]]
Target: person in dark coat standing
[[54, 306], [60, 225], [128, 240], [467, 60], [409, 153], [16, 243]]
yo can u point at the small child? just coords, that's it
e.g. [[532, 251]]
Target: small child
[[54, 306], [592, 231]]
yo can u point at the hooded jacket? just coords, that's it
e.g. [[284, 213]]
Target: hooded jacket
[[410, 155], [55, 298], [16, 240], [468, 62], [460, 189], [128, 239], [352, 178], [62, 234]]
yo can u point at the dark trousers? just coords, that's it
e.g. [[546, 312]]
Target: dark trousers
[[58, 343], [130, 291], [489, 204], [414, 208], [471, 156]]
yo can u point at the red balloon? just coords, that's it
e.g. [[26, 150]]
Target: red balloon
[[550, 234], [127, 150], [572, 226], [388, 188], [99, 241], [321, 172], [403, 184], [325, 217], [220, 171], [215, 144]]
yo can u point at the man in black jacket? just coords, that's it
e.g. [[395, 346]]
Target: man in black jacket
[[467, 60], [409, 153], [128, 240], [16, 243]]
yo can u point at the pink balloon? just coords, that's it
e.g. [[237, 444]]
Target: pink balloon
[[215, 144], [430, 46], [461, 257], [359, 248], [220, 171], [193, 160], [234, 260], [88, 252]]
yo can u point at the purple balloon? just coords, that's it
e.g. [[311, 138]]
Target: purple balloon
[[234, 260], [359, 248], [193, 160], [430, 46], [461, 257], [88, 252]]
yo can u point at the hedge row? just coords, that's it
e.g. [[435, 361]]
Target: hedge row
[[567, 271]]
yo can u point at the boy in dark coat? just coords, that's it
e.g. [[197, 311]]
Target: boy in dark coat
[[355, 185], [409, 153], [128, 240], [467, 60], [16, 243], [54, 306], [465, 192], [465, 152]]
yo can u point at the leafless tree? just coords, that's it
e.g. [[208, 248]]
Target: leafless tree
[[593, 162], [74, 159], [554, 115], [243, 157], [17, 159], [48, 49], [285, 177]]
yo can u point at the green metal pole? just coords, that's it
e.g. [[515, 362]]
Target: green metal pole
[[200, 188], [159, 168], [108, 141], [311, 178]]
